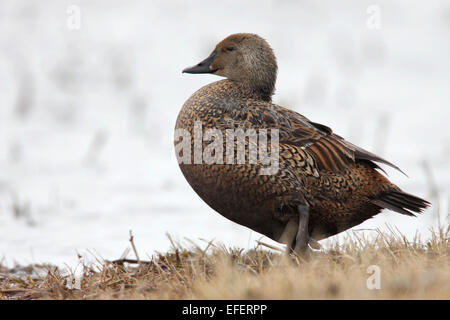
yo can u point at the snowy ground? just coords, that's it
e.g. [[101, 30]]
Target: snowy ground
[[87, 115]]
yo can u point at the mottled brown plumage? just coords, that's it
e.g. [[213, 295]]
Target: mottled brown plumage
[[332, 182]]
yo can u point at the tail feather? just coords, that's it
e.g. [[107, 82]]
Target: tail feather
[[401, 202]]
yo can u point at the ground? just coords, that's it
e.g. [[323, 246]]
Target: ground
[[387, 266]]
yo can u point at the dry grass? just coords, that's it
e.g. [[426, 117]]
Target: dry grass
[[408, 270]]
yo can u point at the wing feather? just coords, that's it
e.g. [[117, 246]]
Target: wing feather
[[330, 151]]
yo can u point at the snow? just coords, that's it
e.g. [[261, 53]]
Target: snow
[[87, 115]]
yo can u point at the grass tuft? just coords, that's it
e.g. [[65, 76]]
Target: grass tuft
[[346, 270]]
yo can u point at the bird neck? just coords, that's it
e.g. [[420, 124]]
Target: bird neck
[[258, 85]]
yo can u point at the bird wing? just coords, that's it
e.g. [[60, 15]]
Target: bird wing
[[330, 151]]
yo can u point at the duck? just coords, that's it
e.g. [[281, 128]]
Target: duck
[[321, 185]]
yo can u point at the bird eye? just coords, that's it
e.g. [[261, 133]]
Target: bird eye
[[230, 48]]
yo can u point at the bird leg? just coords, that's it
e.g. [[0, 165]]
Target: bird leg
[[302, 238], [288, 235]]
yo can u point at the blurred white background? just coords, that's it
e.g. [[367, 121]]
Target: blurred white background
[[88, 107]]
